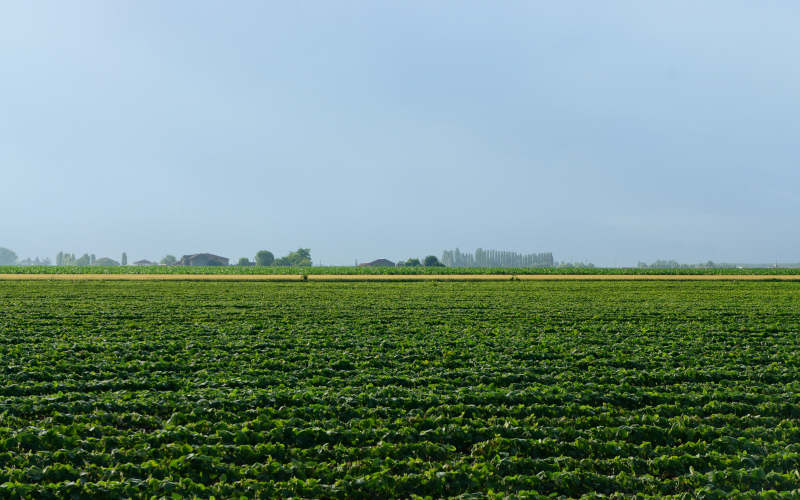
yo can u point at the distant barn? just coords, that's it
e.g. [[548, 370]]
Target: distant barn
[[378, 263], [203, 259]]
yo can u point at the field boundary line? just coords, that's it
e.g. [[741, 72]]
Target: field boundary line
[[399, 277]]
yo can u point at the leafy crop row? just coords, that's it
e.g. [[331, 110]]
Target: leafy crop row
[[377, 390], [357, 270]]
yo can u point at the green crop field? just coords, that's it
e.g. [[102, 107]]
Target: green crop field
[[378, 390], [353, 270]]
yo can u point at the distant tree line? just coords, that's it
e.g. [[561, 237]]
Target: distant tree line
[[69, 259], [495, 258], [299, 258], [429, 261], [584, 265], [302, 257]]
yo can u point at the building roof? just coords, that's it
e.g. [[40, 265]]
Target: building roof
[[187, 259], [210, 255]]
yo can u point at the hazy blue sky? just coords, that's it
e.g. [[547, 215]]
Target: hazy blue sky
[[606, 131]]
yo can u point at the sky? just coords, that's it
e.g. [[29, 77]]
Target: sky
[[610, 132]]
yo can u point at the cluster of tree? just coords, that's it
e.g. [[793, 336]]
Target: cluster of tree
[[495, 258], [429, 261], [7, 257], [299, 258], [69, 259]]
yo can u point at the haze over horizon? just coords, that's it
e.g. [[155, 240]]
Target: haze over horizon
[[611, 132]]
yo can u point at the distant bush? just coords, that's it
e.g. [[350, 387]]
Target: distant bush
[[264, 258], [432, 261], [412, 262], [299, 258]]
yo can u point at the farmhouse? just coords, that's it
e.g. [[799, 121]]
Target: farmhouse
[[378, 263], [203, 259]]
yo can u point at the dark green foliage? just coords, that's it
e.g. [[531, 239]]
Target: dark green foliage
[[299, 258], [244, 261], [264, 258], [519, 389], [432, 261]]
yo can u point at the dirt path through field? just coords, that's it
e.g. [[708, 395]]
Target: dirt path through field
[[395, 277]]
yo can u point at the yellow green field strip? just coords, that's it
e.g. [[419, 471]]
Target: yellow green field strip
[[395, 277], [152, 277]]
